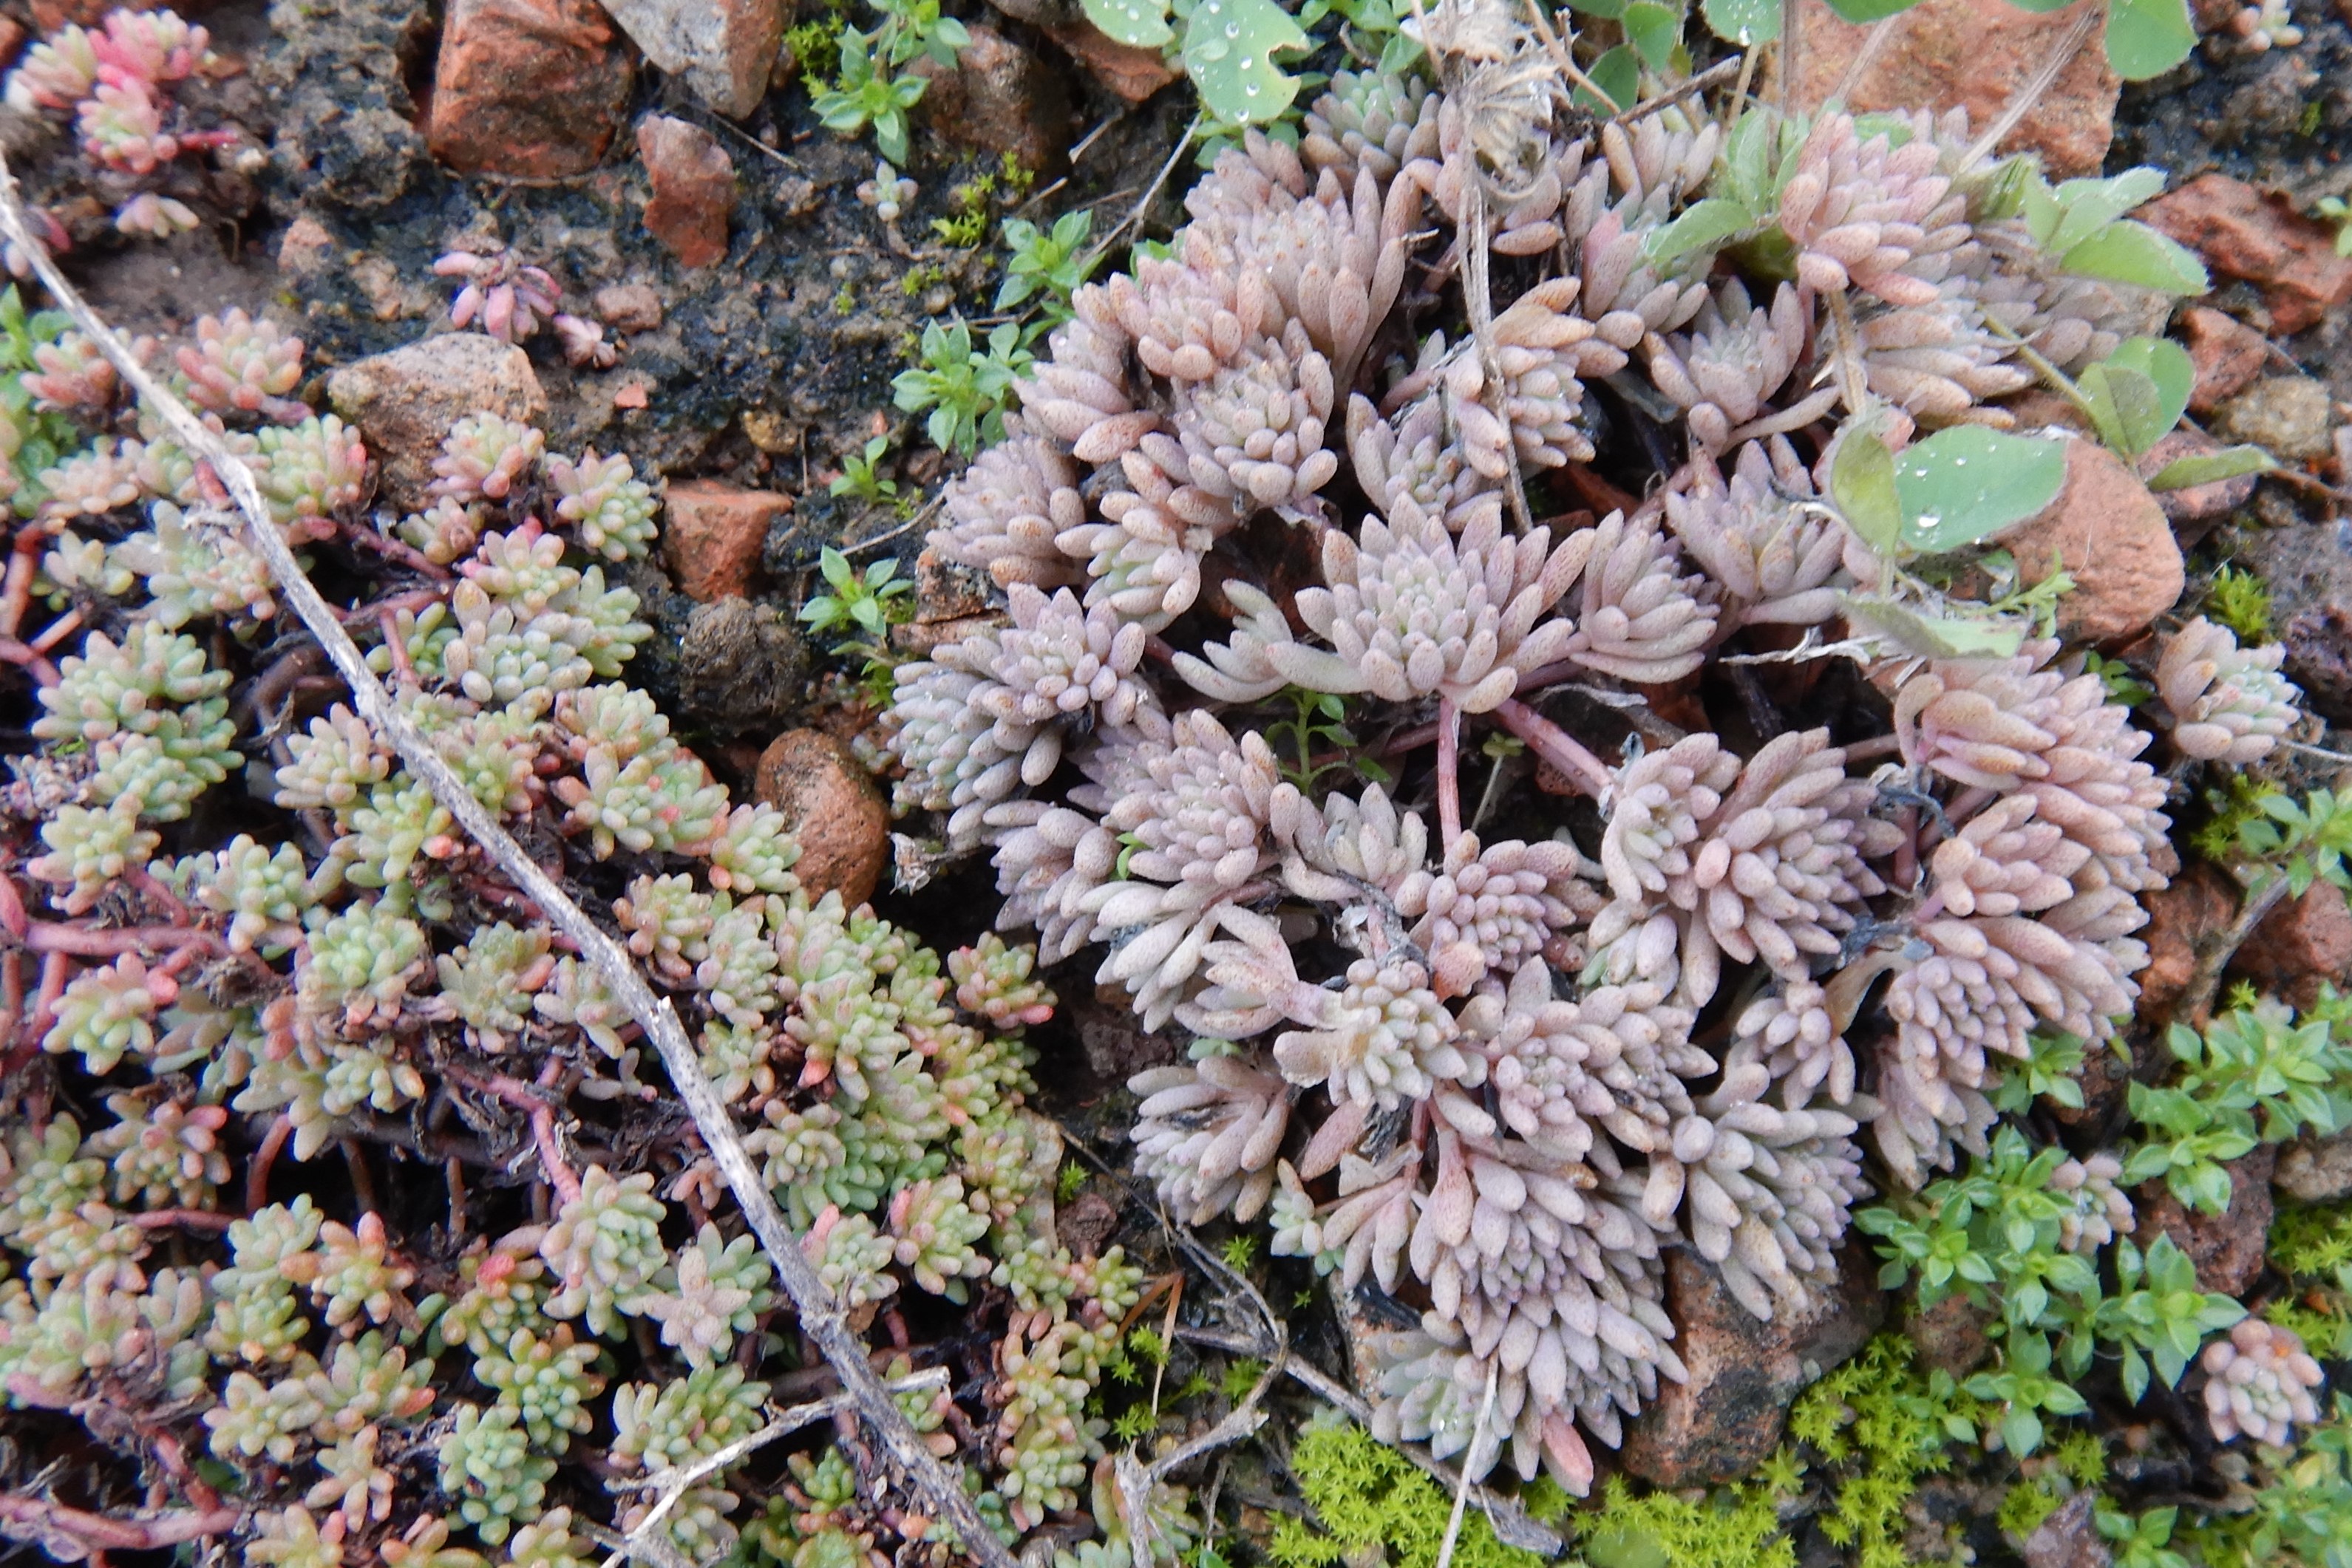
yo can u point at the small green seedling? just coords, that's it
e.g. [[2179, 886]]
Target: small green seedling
[[1045, 264], [2337, 210], [858, 477], [965, 391], [868, 92], [871, 602]]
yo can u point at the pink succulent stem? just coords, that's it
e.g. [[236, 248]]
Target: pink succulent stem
[[399, 550], [257, 1174], [1449, 773], [399, 649], [141, 878], [12, 918], [16, 588], [1555, 745], [100, 1533], [533, 1099], [414, 599], [16, 653], [55, 967], [63, 627], [191, 1219], [85, 942]]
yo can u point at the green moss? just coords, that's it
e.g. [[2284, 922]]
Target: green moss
[[1736, 1528], [2240, 601], [1367, 1496], [1878, 1424], [2025, 1505]]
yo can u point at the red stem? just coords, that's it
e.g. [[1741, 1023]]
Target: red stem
[[257, 1174], [401, 667], [1449, 774], [85, 942], [55, 967], [15, 652], [140, 877], [193, 1218], [1555, 745], [525, 1097], [399, 550], [99, 1533], [414, 599], [12, 918], [16, 588], [56, 632]]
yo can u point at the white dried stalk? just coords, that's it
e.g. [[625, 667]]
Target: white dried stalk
[[821, 1319]]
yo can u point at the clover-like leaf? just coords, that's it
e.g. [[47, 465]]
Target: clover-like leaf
[[2125, 252], [1653, 30], [1229, 49], [1743, 22], [2148, 37], [1870, 10], [1139, 23], [1862, 483], [1618, 74], [1933, 637], [1963, 484]]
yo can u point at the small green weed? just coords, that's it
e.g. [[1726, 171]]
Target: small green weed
[[857, 478], [965, 391], [1045, 264]]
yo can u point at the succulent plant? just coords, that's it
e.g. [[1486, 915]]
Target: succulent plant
[[2229, 704], [2259, 1382]]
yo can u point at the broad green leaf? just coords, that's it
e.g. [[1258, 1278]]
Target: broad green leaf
[[1618, 74], [1607, 10], [2163, 362], [2126, 406], [1228, 51], [1962, 484], [1743, 22], [1705, 222], [2040, 7], [2148, 37], [1143, 24], [1934, 638], [1870, 10], [2205, 469], [2127, 252], [1625, 1548], [1862, 483], [1653, 30]]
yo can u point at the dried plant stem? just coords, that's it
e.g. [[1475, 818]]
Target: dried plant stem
[[1881, 33], [1462, 1492], [1720, 71], [821, 1318], [2029, 92], [2214, 951], [676, 1481], [1555, 745], [1793, 54]]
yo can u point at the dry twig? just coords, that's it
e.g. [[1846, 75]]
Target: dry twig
[[821, 1318]]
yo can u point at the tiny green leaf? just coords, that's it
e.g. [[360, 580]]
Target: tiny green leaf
[[2207, 468], [1743, 22], [2148, 37], [1962, 484], [1705, 222], [1617, 73], [1141, 24], [1653, 30], [2125, 252], [1863, 484]]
